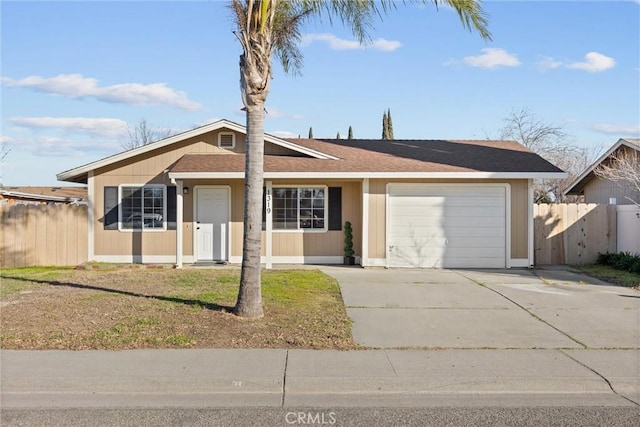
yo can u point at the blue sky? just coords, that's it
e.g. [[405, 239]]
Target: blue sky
[[75, 74]]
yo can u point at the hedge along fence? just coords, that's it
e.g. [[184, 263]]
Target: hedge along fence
[[573, 233], [43, 235]]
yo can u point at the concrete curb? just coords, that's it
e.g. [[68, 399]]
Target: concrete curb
[[276, 378]]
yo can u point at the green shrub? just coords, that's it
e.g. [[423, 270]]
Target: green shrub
[[624, 261], [605, 258]]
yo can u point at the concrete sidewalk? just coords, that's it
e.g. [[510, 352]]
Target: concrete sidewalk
[[277, 378]]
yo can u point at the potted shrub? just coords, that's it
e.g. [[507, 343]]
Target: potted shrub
[[349, 259]]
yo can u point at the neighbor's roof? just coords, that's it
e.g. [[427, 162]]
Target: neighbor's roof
[[577, 186], [54, 194], [377, 158]]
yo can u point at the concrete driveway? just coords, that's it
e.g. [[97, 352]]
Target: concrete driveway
[[497, 309]]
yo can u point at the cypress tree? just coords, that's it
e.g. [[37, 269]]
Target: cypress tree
[[310, 132], [350, 136], [389, 125], [385, 122], [338, 135]]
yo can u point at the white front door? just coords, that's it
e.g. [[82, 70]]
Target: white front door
[[212, 224]]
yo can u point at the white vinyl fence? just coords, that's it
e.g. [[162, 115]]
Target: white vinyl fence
[[628, 224]]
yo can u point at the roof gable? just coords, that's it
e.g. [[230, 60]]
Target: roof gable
[[80, 173], [579, 183]]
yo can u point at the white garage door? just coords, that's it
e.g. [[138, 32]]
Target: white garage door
[[454, 226]]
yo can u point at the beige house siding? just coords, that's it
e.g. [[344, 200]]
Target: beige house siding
[[330, 243], [519, 213], [115, 242]]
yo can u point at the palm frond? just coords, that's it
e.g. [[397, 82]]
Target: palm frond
[[471, 14]]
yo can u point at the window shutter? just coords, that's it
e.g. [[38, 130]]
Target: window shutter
[[335, 208], [172, 202], [110, 219]]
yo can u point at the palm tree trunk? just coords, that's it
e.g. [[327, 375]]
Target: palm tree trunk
[[249, 303]]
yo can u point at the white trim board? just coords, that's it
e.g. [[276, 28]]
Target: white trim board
[[311, 260], [142, 259]]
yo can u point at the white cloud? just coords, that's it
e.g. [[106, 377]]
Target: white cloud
[[63, 147], [336, 43], [56, 146], [78, 86], [594, 63], [548, 63], [621, 130], [104, 127], [492, 58]]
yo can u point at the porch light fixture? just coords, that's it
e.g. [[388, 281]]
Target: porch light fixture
[[185, 190]]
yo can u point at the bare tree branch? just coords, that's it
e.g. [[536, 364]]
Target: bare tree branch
[[623, 168], [143, 134], [4, 151], [550, 142]]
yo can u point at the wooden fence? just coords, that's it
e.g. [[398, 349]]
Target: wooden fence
[[573, 233], [43, 235]]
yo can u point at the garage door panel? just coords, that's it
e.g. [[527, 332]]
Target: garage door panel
[[409, 223], [435, 201], [444, 190], [438, 231], [449, 242], [447, 226], [457, 211]]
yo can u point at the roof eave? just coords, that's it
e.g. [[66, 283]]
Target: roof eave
[[373, 175]]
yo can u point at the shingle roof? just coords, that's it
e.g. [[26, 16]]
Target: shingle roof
[[64, 192], [360, 155]]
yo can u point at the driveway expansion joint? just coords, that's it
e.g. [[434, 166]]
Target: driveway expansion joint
[[393, 368], [601, 376], [535, 316], [284, 377]]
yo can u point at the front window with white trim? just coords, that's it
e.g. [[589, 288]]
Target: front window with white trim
[[143, 207], [299, 208]]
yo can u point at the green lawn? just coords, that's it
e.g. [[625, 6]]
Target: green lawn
[[609, 274], [113, 308]]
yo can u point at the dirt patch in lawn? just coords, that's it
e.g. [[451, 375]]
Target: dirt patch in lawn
[[50, 308]]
